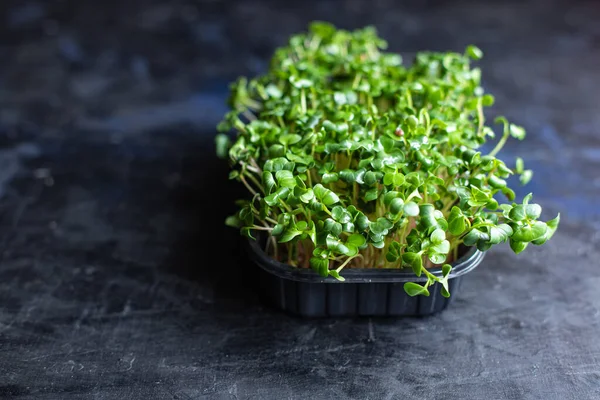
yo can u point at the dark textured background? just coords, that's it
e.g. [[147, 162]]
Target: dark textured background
[[111, 282]]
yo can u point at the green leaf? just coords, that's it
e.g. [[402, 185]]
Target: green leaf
[[474, 52], [446, 268], [222, 143], [325, 195], [444, 291], [278, 229], [509, 193], [285, 178], [398, 179], [414, 289], [289, 234], [389, 196], [517, 213], [517, 131], [526, 177], [496, 183], [268, 181], [340, 214], [330, 177], [456, 221], [396, 205], [552, 227], [335, 244], [519, 165], [333, 227], [438, 236], [533, 211], [321, 265], [528, 233], [474, 236], [274, 198], [333, 273], [487, 100], [437, 258], [427, 220], [394, 251], [415, 261], [500, 233], [516, 246], [411, 209], [356, 240], [441, 248], [233, 221], [289, 139], [388, 178], [371, 194], [362, 222], [306, 196]]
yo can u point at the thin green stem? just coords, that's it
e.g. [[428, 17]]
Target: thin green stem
[[346, 263], [500, 144]]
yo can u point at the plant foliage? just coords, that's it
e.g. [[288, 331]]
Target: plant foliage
[[351, 158]]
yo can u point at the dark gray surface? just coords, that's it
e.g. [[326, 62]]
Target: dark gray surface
[[112, 284]]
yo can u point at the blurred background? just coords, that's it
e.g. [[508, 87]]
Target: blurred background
[[114, 261]]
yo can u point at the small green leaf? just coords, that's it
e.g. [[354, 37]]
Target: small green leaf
[[289, 139], [517, 213], [325, 195], [516, 246], [357, 240], [456, 221], [396, 205], [415, 261], [330, 177], [552, 226], [533, 211], [398, 179], [444, 291], [517, 131], [441, 248], [333, 273], [438, 236], [411, 209], [528, 233], [446, 268], [371, 194], [526, 177], [487, 100], [414, 289], [509, 193], [362, 222], [473, 237], [278, 229], [519, 165], [333, 227], [233, 221], [474, 52], [340, 214], [500, 233], [222, 143], [321, 265], [437, 258], [285, 178], [496, 183], [268, 181], [306, 196], [289, 234]]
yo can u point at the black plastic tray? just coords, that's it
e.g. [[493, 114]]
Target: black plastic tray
[[365, 292]]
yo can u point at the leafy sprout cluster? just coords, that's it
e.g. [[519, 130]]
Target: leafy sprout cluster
[[354, 160]]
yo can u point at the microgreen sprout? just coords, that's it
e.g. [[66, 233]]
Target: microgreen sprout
[[353, 160]]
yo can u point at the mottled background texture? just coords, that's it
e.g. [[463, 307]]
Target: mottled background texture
[[118, 280]]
